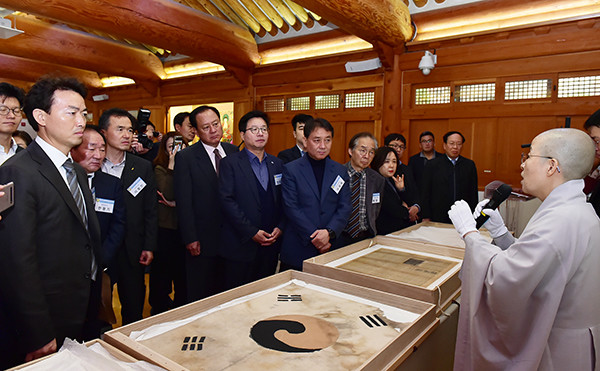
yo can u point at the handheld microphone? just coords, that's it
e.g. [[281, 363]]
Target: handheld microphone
[[500, 194]]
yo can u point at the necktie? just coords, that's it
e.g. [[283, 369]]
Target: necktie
[[354, 222], [217, 160], [77, 196], [75, 192]]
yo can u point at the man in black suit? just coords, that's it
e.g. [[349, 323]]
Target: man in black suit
[[11, 114], [417, 162], [592, 126], [182, 125], [366, 190], [107, 193], [411, 194], [139, 193], [50, 249], [250, 188], [297, 151], [448, 178], [198, 207]]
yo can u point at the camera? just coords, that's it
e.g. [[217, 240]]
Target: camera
[[177, 143], [143, 119]]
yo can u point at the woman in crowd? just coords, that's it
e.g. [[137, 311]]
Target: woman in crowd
[[168, 266], [394, 210], [22, 138]]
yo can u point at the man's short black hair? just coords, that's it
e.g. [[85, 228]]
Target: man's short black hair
[[250, 115], [23, 135], [41, 95], [180, 118], [96, 129], [392, 137], [104, 120], [593, 120], [365, 134], [313, 124], [10, 91], [201, 109], [301, 117], [426, 133], [452, 133]]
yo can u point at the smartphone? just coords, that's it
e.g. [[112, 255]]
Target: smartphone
[[8, 199], [177, 143]]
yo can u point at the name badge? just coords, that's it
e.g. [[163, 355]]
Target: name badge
[[104, 206], [277, 179], [376, 198], [136, 187], [337, 185]]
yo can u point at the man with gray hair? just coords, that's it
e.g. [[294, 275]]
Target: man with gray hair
[[533, 302]]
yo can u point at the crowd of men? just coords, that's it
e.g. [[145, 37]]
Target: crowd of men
[[86, 210]]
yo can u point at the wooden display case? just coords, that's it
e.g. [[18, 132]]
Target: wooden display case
[[424, 227], [292, 320], [426, 272], [118, 354]]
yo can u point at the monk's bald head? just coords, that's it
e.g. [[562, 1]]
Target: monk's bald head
[[573, 149]]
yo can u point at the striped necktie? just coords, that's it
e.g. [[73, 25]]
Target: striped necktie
[[354, 222], [78, 197]]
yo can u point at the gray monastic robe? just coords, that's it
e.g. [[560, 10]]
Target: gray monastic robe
[[534, 303]]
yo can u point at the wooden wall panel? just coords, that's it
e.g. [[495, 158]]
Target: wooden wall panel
[[280, 137]]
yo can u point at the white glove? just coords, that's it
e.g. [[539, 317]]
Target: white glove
[[495, 224], [462, 218]]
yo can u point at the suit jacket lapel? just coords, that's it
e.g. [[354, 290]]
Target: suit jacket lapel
[[329, 177], [272, 173], [246, 169], [49, 171], [205, 164], [309, 176]]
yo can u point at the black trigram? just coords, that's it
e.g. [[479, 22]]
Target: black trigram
[[192, 343], [373, 321], [281, 297]]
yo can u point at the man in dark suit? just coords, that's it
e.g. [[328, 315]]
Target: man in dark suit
[[297, 151], [50, 249], [366, 190], [11, 101], [411, 194], [417, 162], [139, 193], [198, 207], [107, 193], [448, 178], [316, 197], [250, 188]]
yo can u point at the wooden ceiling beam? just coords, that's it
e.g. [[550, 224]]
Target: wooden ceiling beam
[[285, 12], [210, 8], [226, 9], [386, 21], [52, 43], [244, 15], [152, 22], [271, 12], [297, 10], [260, 16], [30, 70]]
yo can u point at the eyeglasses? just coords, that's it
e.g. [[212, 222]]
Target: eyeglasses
[[525, 157], [255, 130], [364, 151], [17, 111], [427, 141]]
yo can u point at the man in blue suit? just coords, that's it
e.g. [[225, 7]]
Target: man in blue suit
[[107, 193], [250, 190], [316, 198]]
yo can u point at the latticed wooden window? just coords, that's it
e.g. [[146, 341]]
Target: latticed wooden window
[[327, 101], [274, 105], [475, 92], [434, 95], [582, 86], [528, 89], [360, 100], [298, 103]]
